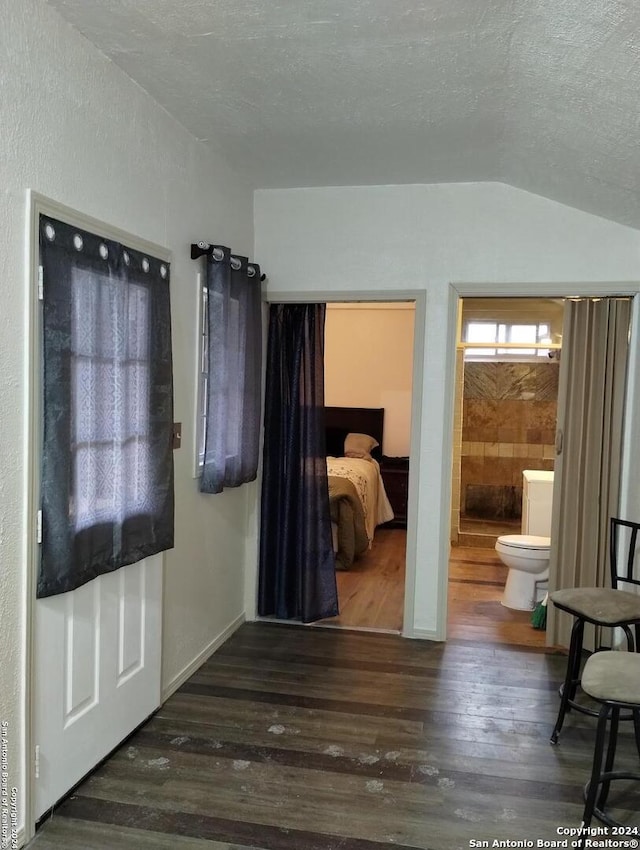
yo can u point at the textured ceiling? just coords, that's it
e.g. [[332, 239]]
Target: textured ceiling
[[541, 94]]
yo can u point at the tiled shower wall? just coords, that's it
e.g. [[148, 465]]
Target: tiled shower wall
[[508, 425]]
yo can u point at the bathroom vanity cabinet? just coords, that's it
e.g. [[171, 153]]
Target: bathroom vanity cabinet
[[537, 496]]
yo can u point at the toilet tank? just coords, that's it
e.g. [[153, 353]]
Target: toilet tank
[[537, 497]]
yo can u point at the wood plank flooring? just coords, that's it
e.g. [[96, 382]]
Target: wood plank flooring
[[297, 738], [371, 594], [476, 581]]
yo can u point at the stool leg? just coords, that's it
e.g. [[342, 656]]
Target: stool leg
[[577, 662], [636, 714], [571, 676], [611, 754], [592, 792], [629, 635]]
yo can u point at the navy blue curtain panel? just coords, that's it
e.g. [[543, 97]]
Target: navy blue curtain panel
[[297, 579], [234, 372], [107, 460]]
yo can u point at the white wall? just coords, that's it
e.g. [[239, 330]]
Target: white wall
[[76, 129], [386, 238], [368, 362]]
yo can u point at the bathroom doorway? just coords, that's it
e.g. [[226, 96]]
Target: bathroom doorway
[[507, 377]]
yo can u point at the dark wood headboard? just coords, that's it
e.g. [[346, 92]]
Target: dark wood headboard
[[340, 421]]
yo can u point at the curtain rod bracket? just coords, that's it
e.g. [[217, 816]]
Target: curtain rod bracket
[[199, 249]]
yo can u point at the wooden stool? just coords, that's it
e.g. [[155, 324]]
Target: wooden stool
[[613, 680]]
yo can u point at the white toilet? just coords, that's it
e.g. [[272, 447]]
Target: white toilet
[[527, 554], [527, 557]]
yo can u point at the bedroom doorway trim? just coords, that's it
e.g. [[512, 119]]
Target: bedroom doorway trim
[[630, 477], [419, 298]]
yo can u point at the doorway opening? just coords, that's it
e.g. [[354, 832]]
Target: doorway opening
[[369, 354], [506, 395]]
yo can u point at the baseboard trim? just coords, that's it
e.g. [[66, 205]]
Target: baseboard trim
[[199, 660], [422, 634]]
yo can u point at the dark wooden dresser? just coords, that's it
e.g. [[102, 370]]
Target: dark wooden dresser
[[395, 474]]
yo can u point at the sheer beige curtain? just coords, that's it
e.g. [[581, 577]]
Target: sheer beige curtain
[[595, 345]]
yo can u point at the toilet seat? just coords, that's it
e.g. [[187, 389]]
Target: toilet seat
[[525, 541]]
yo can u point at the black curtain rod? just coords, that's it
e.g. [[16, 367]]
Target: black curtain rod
[[202, 249]]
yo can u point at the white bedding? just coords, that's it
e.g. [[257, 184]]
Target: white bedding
[[366, 478]]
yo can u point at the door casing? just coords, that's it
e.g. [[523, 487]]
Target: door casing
[[419, 297], [629, 489]]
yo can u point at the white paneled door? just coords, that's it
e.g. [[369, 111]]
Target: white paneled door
[[97, 673]]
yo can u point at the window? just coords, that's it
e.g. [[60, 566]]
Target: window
[[114, 357], [107, 464], [234, 400], [512, 337]]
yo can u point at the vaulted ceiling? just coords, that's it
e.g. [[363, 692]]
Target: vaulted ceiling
[[541, 94]]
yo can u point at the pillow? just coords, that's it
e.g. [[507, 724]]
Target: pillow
[[359, 445]]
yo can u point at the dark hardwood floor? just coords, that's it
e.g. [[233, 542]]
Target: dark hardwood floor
[[296, 738]]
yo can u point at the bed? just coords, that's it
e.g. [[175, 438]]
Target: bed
[[357, 498]]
